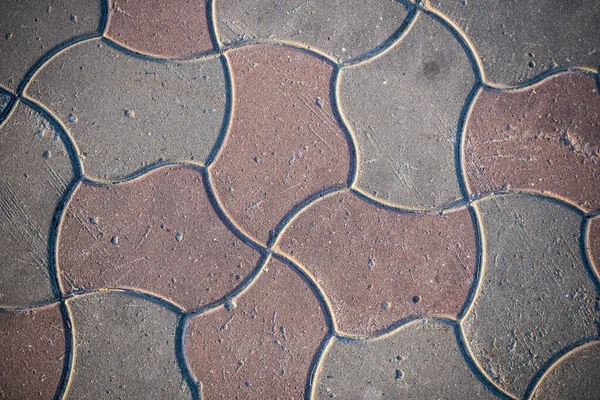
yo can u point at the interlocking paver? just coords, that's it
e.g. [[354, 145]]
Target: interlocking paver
[[168, 29], [379, 266], [260, 346], [415, 362], [520, 40], [404, 108], [543, 139], [575, 377], [31, 28], [341, 29], [284, 143], [126, 113], [158, 233], [32, 347], [536, 297], [125, 349], [36, 171]]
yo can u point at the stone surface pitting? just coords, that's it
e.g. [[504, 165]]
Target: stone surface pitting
[[125, 349], [341, 29], [284, 143], [543, 139], [30, 28], [404, 109], [126, 113], [411, 363], [161, 28], [575, 376], [32, 347], [536, 296], [379, 266], [263, 346], [518, 41], [36, 171], [158, 233]]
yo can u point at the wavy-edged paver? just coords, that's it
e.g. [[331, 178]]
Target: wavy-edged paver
[[158, 233], [543, 139], [594, 243], [421, 360], [261, 345], [341, 29], [126, 113], [378, 266], [536, 296], [36, 171], [32, 348], [404, 109], [31, 28], [284, 143], [160, 28], [125, 349], [518, 40], [575, 377]]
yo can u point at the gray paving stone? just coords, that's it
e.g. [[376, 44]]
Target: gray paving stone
[[419, 361], [536, 297], [125, 349], [342, 29], [404, 108], [127, 112]]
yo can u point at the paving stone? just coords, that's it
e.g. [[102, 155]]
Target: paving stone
[[379, 266], [125, 349], [158, 233], [404, 108], [31, 28], [262, 348], [126, 113], [536, 296], [543, 139], [161, 28], [594, 243], [341, 29], [517, 41], [575, 377], [32, 347], [36, 170], [421, 360], [284, 143]]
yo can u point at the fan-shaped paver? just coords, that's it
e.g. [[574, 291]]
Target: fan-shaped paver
[[126, 113], [519, 40], [575, 377], [594, 243], [125, 349], [341, 29], [284, 143], [404, 109], [261, 345], [158, 233], [421, 360], [168, 29], [32, 347], [544, 139], [36, 171], [30, 28], [536, 296], [378, 266]]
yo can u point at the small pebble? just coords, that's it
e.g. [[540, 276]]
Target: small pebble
[[179, 236], [94, 220], [385, 305], [229, 305], [129, 113], [115, 240], [47, 154], [416, 299], [72, 118]]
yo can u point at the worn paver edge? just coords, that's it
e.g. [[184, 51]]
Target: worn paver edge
[[586, 255]]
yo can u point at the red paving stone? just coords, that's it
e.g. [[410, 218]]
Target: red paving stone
[[379, 266], [544, 139], [32, 348], [284, 143], [158, 234], [262, 348], [161, 28]]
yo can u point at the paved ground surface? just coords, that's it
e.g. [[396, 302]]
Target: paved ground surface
[[299, 199]]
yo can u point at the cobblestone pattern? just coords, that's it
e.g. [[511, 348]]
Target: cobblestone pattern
[[252, 200]]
